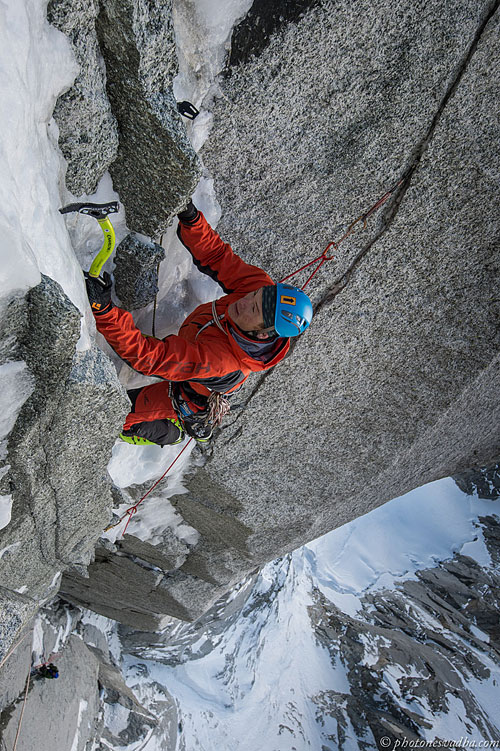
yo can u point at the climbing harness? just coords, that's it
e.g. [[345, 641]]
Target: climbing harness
[[328, 253]]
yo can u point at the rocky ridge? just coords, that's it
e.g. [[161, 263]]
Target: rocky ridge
[[413, 656]]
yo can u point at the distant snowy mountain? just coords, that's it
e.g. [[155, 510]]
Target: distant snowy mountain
[[360, 636]]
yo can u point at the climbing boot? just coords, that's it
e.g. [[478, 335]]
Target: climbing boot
[[200, 432], [160, 429], [137, 440]]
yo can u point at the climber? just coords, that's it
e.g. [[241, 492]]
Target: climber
[[47, 670], [217, 347]]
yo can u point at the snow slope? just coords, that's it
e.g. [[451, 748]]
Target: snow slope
[[252, 680]]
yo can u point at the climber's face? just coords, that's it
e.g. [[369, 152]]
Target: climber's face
[[247, 313]]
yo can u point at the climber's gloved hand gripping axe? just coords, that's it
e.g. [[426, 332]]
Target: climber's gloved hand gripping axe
[[98, 288]]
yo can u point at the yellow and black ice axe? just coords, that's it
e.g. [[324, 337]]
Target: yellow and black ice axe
[[99, 211]]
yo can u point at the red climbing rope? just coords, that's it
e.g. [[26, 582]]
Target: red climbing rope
[[325, 256], [133, 509]]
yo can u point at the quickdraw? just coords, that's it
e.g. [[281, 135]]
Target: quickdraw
[[327, 254]]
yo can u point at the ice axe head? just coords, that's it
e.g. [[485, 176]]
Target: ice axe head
[[95, 210]]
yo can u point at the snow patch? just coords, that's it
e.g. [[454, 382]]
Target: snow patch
[[427, 525], [81, 709], [203, 33], [107, 627], [5, 515], [37, 65]]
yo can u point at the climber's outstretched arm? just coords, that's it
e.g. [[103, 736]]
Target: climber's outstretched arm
[[216, 258]]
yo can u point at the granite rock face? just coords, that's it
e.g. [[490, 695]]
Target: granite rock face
[[88, 133], [136, 271], [121, 114], [81, 707], [396, 382], [130, 582], [156, 168], [57, 452], [67, 705]]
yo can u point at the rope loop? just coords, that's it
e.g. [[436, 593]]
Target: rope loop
[[133, 509], [333, 244], [320, 260]]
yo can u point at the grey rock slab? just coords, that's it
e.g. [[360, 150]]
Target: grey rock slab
[[59, 713], [394, 384], [136, 271], [117, 690], [262, 21], [156, 168], [167, 556], [312, 131], [137, 593], [16, 612], [59, 448], [88, 133]]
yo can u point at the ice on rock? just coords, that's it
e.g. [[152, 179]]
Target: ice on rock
[[16, 385], [33, 238], [203, 32]]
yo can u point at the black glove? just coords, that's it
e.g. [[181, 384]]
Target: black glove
[[189, 215], [99, 293]]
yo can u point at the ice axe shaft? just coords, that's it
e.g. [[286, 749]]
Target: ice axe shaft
[[98, 211]]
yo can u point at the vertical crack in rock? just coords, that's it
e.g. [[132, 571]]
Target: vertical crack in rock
[[389, 214]]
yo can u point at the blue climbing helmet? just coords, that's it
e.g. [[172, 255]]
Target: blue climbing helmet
[[287, 310]]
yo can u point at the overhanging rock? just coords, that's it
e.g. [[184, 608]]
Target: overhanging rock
[[59, 447], [396, 383], [156, 167], [88, 133]]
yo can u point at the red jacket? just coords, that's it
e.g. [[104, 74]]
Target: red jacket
[[202, 355]]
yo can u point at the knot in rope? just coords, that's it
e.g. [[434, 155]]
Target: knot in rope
[[325, 256]]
